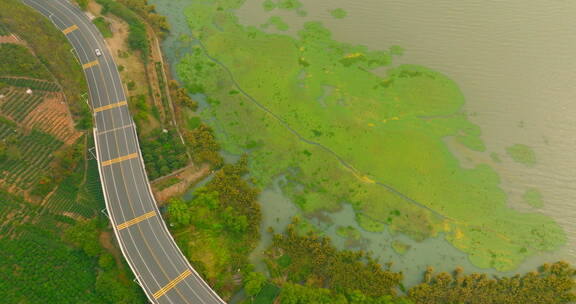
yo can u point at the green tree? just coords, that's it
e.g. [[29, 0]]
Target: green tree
[[178, 212], [106, 261], [84, 235], [297, 294], [254, 282]]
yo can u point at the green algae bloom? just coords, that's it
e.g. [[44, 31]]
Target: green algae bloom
[[277, 22], [338, 13], [495, 157], [533, 198], [311, 109], [348, 232], [268, 5], [522, 154], [400, 247]]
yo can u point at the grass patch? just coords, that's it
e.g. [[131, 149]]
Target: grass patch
[[167, 183], [267, 295], [103, 26], [18, 61]]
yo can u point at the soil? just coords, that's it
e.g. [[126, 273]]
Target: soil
[[188, 176], [11, 39], [53, 116]]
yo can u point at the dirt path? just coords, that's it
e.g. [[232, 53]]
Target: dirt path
[[11, 39]]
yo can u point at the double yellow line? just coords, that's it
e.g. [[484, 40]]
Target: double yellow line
[[70, 29], [136, 220], [90, 64], [110, 106], [119, 159], [172, 283]]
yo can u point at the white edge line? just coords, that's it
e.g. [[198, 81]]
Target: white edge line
[[164, 222], [111, 217]]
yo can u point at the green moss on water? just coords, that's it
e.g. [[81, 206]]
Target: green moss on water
[[375, 142], [396, 50], [268, 5], [495, 157], [522, 154], [348, 232], [287, 5], [369, 224], [277, 22], [339, 13], [290, 5], [400, 247], [533, 198]]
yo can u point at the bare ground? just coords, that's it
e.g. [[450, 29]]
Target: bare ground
[[11, 39], [53, 116], [188, 176]]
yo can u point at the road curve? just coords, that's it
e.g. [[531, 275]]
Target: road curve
[[160, 268]]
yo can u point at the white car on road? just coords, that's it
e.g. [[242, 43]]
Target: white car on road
[[98, 52]]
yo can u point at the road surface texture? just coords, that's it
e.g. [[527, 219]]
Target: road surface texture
[[158, 264]]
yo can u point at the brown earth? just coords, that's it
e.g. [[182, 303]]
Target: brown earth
[[11, 39], [53, 116], [188, 176]]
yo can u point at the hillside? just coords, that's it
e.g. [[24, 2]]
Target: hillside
[[55, 244]]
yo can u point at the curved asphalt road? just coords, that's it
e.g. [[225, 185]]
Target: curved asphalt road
[[158, 264]]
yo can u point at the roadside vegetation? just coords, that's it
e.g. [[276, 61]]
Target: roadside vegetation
[[103, 26], [18, 61], [137, 39], [148, 13], [55, 244], [169, 128], [301, 265], [219, 227], [53, 51]]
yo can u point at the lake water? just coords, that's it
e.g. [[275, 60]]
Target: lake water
[[513, 61]]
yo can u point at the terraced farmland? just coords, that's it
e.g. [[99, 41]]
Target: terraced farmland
[[3, 30], [75, 197], [33, 84], [17, 103], [32, 127], [30, 154]]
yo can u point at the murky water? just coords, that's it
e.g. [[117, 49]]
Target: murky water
[[513, 62]]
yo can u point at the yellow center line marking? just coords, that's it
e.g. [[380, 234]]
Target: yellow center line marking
[[119, 159], [172, 283], [136, 220], [110, 106], [90, 64], [70, 29]]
